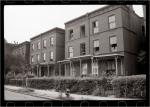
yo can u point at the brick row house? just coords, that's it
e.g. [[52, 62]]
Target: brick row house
[[103, 42], [45, 50], [22, 50]]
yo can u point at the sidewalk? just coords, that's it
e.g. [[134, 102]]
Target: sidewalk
[[53, 95]]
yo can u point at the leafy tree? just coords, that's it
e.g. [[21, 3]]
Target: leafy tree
[[13, 63]]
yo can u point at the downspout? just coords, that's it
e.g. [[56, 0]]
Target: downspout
[[89, 30]]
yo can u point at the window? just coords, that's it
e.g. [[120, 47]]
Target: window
[[82, 49], [38, 57], [32, 59], [95, 27], [51, 41], [96, 46], [44, 56], [38, 46], [51, 56], [23, 51], [113, 43], [112, 22], [84, 69], [95, 68], [70, 51], [82, 31], [110, 65], [33, 47], [44, 43], [70, 34]]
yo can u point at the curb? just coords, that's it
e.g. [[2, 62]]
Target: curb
[[31, 94]]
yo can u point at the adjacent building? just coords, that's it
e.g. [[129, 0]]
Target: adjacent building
[[144, 13], [102, 42], [45, 50], [22, 50]]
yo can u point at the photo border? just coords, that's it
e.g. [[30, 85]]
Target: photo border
[[74, 2]]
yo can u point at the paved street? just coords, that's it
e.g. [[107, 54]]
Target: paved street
[[9, 95]]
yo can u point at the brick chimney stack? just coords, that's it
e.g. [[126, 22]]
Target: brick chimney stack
[[131, 7]]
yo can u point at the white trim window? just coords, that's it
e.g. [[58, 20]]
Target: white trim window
[[82, 49], [33, 47], [96, 46], [82, 31], [95, 69], [113, 43], [38, 57], [32, 59], [95, 27], [70, 51], [84, 69], [39, 45], [112, 22], [51, 56], [44, 57], [51, 41], [70, 34], [44, 43]]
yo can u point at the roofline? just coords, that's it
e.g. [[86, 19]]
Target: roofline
[[17, 45], [107, 6], [53, 29], [88, 13]]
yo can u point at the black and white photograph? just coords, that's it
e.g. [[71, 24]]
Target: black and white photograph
[[74, 52]]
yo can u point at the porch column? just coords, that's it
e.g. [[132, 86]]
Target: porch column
[[37, 71], [91, 65], [70, 69], [116, 65], [59, 69], [54, 69], [40, 71], [48, 70], [65, 70], [121, 66], [80, 67]]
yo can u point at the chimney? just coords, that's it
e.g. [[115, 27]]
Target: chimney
[[131, 7]]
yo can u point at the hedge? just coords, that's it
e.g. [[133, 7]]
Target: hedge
[[86, 86], [130, 86]]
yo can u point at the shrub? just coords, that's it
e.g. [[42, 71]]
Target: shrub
[[19, 76], [76, 85], [130, 86]]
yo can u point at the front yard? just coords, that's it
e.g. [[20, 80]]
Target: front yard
[[119, 87]]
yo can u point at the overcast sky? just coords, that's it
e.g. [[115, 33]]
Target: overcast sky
[[21, 22]]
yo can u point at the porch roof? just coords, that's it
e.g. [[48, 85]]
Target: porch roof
[[108, 55], [45, 63], [91, 56], [72, 58]]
